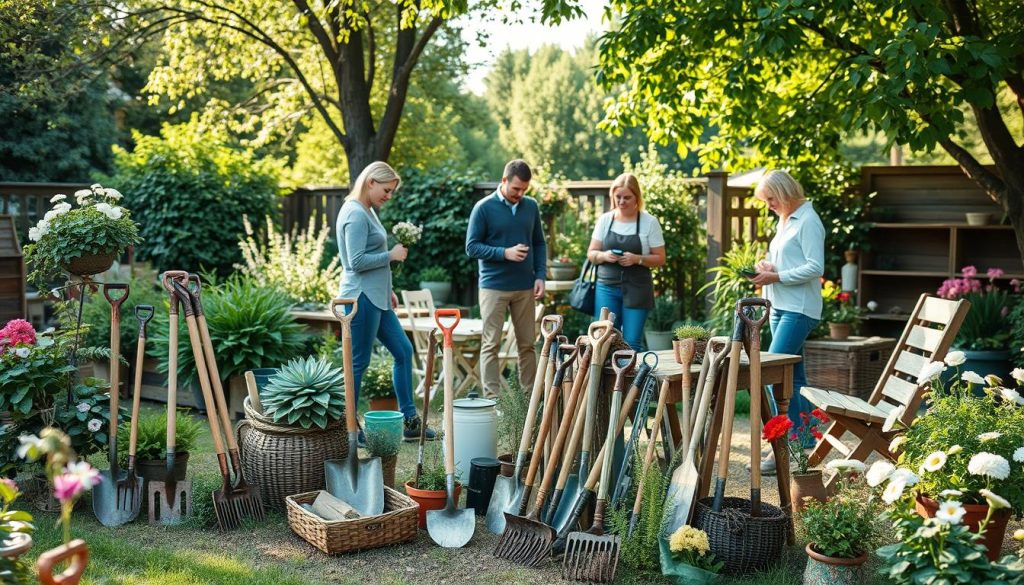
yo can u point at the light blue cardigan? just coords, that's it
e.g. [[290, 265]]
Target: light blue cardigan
[[363, 251]]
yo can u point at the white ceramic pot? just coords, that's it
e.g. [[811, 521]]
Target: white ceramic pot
[[475, 422]]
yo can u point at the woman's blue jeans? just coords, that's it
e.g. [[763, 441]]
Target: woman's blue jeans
[[369, 323], [789, 332], [629, 321]]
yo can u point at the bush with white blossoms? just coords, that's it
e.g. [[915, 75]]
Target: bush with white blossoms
[[969, 441], [98, 225]]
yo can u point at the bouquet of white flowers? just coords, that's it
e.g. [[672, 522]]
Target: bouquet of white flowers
[[407, 234]]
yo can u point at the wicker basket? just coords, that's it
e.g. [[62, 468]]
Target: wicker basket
[[745, 544], [396, 524], [89, 264], [286, 460], [852, 366]]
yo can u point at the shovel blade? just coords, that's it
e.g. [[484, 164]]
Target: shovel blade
[[358, 482], [451, 527], [169, 502], [506, 499], [563, 513], [680, 497], [591, 557], [525, 541], [114, 500]]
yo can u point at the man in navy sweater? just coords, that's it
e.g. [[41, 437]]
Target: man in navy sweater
[[506, 237]]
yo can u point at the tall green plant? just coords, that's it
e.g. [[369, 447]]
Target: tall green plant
[[640, 550], [291, 262], [729, 286], [250, 327]]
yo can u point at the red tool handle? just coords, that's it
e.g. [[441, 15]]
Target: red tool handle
[[447, 331], [115, 301]]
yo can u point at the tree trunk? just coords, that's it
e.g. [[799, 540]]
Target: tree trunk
[[359, 154]]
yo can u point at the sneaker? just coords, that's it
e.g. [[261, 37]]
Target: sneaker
[[768, 466], [412, 430]]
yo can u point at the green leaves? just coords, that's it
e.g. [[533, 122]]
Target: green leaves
[[305, 392]]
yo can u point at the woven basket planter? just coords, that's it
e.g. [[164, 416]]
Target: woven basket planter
[[89, 264], [286, 460], [744, 543], [396, 524]]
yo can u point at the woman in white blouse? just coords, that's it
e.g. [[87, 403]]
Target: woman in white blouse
[[790, 277]]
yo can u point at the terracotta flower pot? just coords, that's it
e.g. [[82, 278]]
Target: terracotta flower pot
[[839, 330], [385, 403], [823, 570], [806, 485], [429, 499], [508, 464], [994, 532]]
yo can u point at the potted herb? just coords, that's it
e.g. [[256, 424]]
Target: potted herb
[[839, 311], [513, 405], [840, 530], [151, 444], [384, 444], [429, 492], [437, 281], [698, 333], [562, 268], [83, 240], [376, 385], [807, 484], [970, 443], [658, 332]]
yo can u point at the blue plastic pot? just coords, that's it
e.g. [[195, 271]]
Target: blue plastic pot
[[387, 422]]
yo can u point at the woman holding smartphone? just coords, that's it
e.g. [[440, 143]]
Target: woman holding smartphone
[[626, 244], [790, 277]]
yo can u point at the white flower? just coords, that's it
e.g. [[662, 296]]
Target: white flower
[[62, 208], [989, 465], [83, 407], [972, 377], [1018, 455], [934, 462], [95, 186], [94, 425], [950, 493], [989, 436], [87, 474], [33, 234], [872, 305], [58, 197], [51, 214], [955, 358], [930, 371], [906, 476], [22, 352], [993, 380], [103, 208], [896, 443], [29, 444], [82, 193], [1018, 374], [845, 465], [112, 193], [879, 472], [1010, 395], [114, 213], [954, 450], [995, 501], [950, 512], [893, 491], [890, 421]]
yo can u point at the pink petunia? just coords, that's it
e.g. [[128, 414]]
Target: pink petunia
[[995, 272], [66, 487], [969, 271]]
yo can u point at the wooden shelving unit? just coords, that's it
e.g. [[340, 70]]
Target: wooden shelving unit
[[12, 272], [924, 239]]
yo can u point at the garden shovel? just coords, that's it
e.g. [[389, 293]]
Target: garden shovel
[[359, 482], [170, 500], [508, 491], [130, 497], [753, 342], [450, 527], [113, 481]]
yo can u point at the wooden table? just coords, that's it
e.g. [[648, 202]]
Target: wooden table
[[776, 369]]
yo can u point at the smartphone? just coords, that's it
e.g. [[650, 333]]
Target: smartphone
[[617, 252], [748, 272]]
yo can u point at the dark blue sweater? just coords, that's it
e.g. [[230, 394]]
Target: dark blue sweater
[[492, 228]]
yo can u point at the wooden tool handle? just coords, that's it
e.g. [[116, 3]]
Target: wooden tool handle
[[449, 422], [687, 347], [620, 423], [606, 461], [427, 383], [351, 425], [216, 384], [254, 392], [204, 384], [342, 316], [144, 313], [172, 375], [531, 411], [648, 458], [447, 331], [728, 413], [115, 354], [571, 418], [550, 403]]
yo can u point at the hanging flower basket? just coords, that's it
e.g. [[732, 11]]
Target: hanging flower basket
[[89, 264]]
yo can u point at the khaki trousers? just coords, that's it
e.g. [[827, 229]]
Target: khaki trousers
[[521, 304]]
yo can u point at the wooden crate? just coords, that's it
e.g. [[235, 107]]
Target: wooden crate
[[12, 272], [851, 366]]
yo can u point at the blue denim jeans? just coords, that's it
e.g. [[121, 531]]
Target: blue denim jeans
[[369, 323], [789, 331], [629, 321]]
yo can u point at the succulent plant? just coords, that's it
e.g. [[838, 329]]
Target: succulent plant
[[697, 332], [305, 392]]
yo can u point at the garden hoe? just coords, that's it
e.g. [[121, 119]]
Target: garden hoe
[[526, 539], [170, 500], [113, 482], [645, 390], [509, 491], [450, 527], [359, 482], [728, 413], [593, 555], [753, 337], [428, 380], [683, 487]]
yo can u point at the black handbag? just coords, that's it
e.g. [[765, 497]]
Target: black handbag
[[581, 297]]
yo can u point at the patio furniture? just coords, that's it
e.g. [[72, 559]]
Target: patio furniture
[[419, 304], [930, 331]]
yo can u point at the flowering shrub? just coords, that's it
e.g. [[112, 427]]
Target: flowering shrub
[[780, 426], [984, 327], [407, 233], [33, 369], [843, 526], [99, 225], [291, 263], [70, 478], [690, 545]]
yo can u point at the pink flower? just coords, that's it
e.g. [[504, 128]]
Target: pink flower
[[9, 483], [67, 487], [969, 271], [1015, 284], [86, 473], [17, 331], [995, 272]]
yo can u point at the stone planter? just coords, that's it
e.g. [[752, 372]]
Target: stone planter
[[658, 340], [562, 270], [823, 570], [806, 485], [12, 548], [438, 290], [839, 330], [994, 531], [429, 500]]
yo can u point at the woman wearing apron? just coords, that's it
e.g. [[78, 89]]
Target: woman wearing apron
[[627, 243]]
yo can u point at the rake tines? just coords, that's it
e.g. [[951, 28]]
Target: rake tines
[[234, 508], [525, 541], [589, 557]]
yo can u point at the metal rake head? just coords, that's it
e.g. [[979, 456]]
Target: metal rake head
[[524, 542], [162, 510], [591, 557], [129, 494], [234, 508]]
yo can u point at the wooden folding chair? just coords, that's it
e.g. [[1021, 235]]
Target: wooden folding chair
[[508, 352], [927, 337], [419, 303]]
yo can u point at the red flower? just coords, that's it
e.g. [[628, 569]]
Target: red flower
[[843, 297], [794, 437], [776, 428], [816, 433], [820, 415], [805, 417]]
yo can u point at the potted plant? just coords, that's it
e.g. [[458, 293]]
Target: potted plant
[[436, 280], [698, 333], [81, 241], [840, 531], [562, 268], [806, 484], [658, 332], [15, 537], [377, 386], [984, 336], [429, 492], [970, 444], [284, 447], [694, 562], [839, 311], [151, 444], [383, 444], [34, 370], [513, 404]]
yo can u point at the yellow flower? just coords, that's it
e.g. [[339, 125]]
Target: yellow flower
[[688, 538]]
